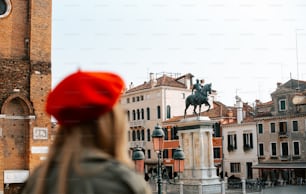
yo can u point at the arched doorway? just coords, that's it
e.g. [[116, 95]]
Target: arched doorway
[[15, 139]]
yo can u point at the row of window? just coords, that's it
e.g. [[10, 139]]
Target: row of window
[[165, 154], [284, 149], [139, 135], [135, 99], [139, 114], [282, 127], [232, 141]]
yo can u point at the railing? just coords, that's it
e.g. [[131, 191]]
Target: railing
[[229, 187], [283, 134], [136, 123]]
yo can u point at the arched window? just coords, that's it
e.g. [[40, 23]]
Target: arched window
[[148, 134], [158, 112], [168, 112], [128, 115], [142, 114], [138, 135], [142, 135], [134, 115], [148, 113], [134, 135], [138, 114]]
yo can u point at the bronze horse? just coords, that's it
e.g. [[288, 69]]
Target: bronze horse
[[199, 99]]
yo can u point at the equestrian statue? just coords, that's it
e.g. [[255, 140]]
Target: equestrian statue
[[199, 97]]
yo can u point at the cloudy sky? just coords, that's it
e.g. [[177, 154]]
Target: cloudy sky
[[242, 47]]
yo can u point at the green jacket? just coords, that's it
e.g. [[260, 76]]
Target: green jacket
[[102, 176]]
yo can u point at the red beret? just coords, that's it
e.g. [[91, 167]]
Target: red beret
[[84, 96]]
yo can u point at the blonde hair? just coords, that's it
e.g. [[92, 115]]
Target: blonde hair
[[108, 133]]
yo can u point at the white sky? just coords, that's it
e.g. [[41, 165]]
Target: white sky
[[242, 47]]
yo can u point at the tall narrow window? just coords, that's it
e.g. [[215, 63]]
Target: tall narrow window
[[138, 135], [134, 115], [148, 135], [166, 133], [295, 126], [284, 149], [272, 127], [138, 114], [273, 149], [158, 112], [128, 115], [217, 152], [148, 113], [217, 130], [174, 133], [261, 149], [282, 128], [142, 135], [260, 128], [168, 112], [142, 114], [149, 154], [231, 140], [247, 141], [296, 148], [134, 135], [282, 105]]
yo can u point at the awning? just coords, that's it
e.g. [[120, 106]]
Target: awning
[[279, 165]]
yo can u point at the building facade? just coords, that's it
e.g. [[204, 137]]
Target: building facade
[[281, 134], [151, 103], [240, 144], [25, 80]]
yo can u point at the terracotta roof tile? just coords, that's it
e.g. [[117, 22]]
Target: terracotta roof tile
[[161, 81]]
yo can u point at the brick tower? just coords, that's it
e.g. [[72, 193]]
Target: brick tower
[[25, 80]]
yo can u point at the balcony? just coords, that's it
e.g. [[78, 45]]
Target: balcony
[[247, 147], [137, 123], [283, 134], [141, 144], [231, 148]]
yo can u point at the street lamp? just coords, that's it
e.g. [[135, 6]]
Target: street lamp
[[158, 145], [178, 157], [138, 157]]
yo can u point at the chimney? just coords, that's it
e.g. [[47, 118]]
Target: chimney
[[152, 80], [131, 85], [239, 106], [278, 84]]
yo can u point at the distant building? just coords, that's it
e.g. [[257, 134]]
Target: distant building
[[281, 133], [151, 103], [240, 143]]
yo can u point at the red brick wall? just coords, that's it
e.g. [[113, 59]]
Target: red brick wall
[[25, 80]]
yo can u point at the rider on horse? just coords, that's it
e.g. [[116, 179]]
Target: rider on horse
[[198, 87]]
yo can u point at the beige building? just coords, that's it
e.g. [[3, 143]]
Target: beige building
[[150, 104], [281, 131], [240, 145]]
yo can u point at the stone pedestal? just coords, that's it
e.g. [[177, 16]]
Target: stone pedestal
[[195, 136]]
